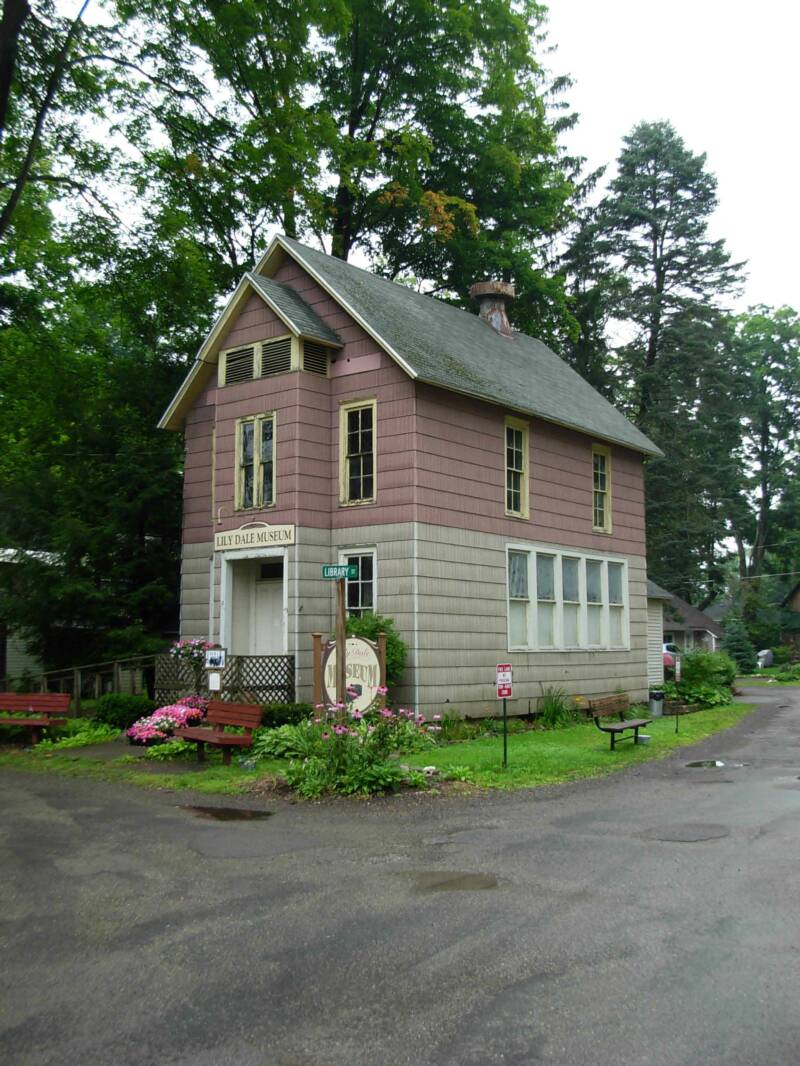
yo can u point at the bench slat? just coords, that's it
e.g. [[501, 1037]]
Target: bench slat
[[40, 702]]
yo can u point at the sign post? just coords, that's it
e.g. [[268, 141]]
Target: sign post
[[339, 573], [505, 689]]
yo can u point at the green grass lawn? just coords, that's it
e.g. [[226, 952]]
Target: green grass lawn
[[557, 755], [537, 757], [214, 778]]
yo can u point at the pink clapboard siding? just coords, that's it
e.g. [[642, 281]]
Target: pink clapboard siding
[[461, 477], [306, 409], [440, 456]]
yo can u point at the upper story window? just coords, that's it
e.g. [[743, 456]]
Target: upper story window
[[357, 455], [601, 489], [564, 600], [361, 589], [516, 468], [255, 462]]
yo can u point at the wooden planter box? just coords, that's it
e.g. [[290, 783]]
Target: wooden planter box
[[676, 707]]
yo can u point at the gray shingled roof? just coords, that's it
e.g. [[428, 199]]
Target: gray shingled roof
[[303, 318], [655, 592], [457, 350]]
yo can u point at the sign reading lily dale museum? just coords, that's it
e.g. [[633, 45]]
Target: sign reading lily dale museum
[[362, 673], [254, 535]]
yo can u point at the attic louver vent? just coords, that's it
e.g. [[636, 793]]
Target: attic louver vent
[[239, 365], [276, 357], [315, 358]]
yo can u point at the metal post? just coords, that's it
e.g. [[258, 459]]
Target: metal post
[[505, 733]]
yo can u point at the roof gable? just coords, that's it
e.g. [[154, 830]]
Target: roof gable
[[445, 346], [285, 303]]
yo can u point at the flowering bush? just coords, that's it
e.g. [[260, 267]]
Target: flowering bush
[[189, 710], [191, 651], [349, 751]]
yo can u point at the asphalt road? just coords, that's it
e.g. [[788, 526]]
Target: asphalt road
[[645, 918]]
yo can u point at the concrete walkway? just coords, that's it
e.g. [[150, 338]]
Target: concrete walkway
[[649, 918]]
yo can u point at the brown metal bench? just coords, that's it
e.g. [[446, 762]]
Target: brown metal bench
[[604, 706], [41, 709], [221, 715]]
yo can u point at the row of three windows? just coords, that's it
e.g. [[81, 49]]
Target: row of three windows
[[517, 477], [561, 600], [255, 451]]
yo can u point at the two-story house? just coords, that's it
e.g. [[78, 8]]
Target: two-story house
[[491, 499]]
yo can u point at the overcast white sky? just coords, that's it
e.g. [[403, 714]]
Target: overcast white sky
[[726, 74]]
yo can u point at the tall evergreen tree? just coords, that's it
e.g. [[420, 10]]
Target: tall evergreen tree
[[674, 370]]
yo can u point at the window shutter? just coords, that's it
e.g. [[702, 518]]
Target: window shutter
[[315, 358], [276, 357], [239, 365]]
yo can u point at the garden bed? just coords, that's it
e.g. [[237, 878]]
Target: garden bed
[[536, 757]]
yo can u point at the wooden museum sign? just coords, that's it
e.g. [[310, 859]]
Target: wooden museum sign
[[254, 535]]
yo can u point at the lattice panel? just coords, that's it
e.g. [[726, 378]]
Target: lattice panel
[[245, 679]]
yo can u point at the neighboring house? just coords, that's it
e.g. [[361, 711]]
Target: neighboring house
[[689, 627], [16, 661], [657, 598], [791, 601], [492, 501]]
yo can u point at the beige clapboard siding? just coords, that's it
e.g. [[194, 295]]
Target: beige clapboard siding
[[655, 642], [195, 591], [462, 630]]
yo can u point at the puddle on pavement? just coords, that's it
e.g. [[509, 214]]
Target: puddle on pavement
[[714, 764], [226, 814], [452, 881]]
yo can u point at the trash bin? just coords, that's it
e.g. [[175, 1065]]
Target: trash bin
[[656, 702]]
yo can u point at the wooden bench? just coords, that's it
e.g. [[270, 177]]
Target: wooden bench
[[220, 715], [41, 710], [604, 706]]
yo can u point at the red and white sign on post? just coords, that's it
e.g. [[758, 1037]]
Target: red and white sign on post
[[504, 681]]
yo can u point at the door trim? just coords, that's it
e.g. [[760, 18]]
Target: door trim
[[226, 587]]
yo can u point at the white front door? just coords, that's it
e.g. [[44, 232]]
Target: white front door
[[266, 630]]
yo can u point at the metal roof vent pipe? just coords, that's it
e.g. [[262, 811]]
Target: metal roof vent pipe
[[492, 297]]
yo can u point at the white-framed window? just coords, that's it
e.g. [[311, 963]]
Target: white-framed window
[[565, 600], [601, 489], [516, 440], [357, 452], [362, 590], [255, 462]]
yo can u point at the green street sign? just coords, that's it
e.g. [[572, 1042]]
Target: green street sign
[[340, 571]]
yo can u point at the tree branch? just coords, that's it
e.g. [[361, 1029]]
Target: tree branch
[[53, 83]]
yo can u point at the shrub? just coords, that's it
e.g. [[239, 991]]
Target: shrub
[[275, 714], [370, 625], [782, 654], [348, 751], [461, 729], [171, 749], [713, 668], [556, 709], [739, 646], [91, 733], [120, 709], [791, 674], [286, 741]]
